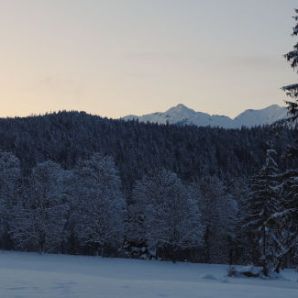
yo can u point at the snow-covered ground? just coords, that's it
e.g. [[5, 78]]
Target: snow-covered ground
[[31, 275]]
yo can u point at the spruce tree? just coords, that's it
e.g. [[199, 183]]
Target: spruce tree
[[10, 175], [292, 90], [290, 177], [262, 205]]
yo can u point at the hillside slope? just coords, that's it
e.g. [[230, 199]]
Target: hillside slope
[[67, 137]]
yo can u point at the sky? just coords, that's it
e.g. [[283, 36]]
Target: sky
[[119, 57]]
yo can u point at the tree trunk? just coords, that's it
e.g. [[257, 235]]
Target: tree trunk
[[265, 265]]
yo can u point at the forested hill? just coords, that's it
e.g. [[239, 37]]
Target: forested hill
[[137, 148]]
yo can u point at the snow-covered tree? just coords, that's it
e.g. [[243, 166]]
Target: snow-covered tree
[[10, 174], [171, 213], [100, 212], [263, 205], [287, 218], [39, 218]]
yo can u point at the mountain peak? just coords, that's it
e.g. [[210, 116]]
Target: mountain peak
[[180, 108]]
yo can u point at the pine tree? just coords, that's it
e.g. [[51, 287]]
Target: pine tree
[[239, 246], [292, 90], [262, 206], [219, 217], [10, 175], [290, 177]]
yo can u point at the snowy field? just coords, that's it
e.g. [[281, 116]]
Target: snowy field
[[31, 275]]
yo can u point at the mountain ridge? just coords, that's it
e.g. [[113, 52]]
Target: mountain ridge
[[183, 115]]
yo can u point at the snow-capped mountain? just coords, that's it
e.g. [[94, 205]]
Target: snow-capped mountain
[[183, 115]]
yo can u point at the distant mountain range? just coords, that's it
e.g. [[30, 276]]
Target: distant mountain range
[[183, 115]]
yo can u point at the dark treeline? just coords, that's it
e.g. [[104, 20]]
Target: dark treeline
[[80, 184], [191, 152]]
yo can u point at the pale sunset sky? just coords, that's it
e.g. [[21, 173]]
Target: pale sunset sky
[[119, 57]]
